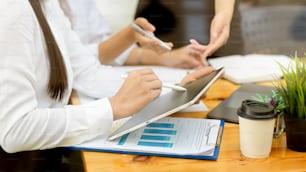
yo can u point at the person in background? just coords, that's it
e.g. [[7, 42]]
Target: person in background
[[87, 21], [41, 60], [206, 20]]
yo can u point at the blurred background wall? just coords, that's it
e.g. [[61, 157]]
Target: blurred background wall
[[119, 13], [179, 20]]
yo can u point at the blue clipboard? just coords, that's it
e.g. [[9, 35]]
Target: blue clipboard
[[205, 156]]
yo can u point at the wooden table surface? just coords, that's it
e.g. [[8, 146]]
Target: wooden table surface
[[230, 158]]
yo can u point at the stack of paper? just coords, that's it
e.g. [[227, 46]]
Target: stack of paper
[[251, 68]]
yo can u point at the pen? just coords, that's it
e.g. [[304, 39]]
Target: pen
[[167, 85], [174, 87], [149, 35]]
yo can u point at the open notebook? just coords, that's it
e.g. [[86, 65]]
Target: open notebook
[[251, 68]]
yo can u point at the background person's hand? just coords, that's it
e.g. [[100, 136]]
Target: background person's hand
[[200, 49], [140, 88], [152, 44], [219, 34]]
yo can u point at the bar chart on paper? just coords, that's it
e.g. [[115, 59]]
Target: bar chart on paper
[[153, 135], [172, 135]]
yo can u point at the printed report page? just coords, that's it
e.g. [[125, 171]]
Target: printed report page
[[168, 135]]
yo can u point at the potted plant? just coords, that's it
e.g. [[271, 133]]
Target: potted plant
[[289, 101], [292, 89], [277, 102]]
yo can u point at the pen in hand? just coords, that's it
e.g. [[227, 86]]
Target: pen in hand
[[149, 35], [174, 87], [166, 85]]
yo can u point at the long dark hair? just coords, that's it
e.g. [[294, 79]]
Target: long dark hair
[[58, 76]]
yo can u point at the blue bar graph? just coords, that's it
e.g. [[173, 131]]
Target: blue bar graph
[[158, 135], [152, 137], [161, 125], [155, 144], [123, 139], [160, 131]]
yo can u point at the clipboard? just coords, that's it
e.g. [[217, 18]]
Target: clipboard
[[205, 138]]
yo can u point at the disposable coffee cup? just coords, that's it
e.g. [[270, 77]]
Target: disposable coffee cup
[[256, 126]]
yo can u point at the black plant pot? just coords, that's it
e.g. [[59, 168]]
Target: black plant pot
[[296, 133]]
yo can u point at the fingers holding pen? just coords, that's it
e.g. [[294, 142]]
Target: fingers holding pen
[[139, 88], [145, 24], [146, 78], [144, 35]]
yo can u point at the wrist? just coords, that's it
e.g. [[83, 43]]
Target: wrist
[[117, 107], [225, 17], [163, 59], [132, 34], [139, 56]]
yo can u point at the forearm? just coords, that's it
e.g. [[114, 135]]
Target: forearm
[[183, 57], [143, 56], [113, 47], [226, 8]]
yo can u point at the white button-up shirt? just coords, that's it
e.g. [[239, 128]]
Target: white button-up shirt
[[29, 118], [92, 28]]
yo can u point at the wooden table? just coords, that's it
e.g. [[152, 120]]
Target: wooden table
[[230, 158]]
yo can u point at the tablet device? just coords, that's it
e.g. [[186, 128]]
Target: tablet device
[[168, 103], [227, 110]]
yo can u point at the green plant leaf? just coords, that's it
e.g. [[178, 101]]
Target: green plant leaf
[[293, 89]]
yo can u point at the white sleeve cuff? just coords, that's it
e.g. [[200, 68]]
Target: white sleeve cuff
[[121, 59], [98, 120]]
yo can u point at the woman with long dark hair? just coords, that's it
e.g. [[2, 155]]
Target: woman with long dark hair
[[41, 60]]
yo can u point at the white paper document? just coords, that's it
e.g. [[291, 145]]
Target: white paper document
[[178, 136], [251, 68]]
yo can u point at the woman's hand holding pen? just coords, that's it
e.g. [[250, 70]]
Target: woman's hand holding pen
[[148, 40], [143, 86], [139, 88], [190, 56]]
